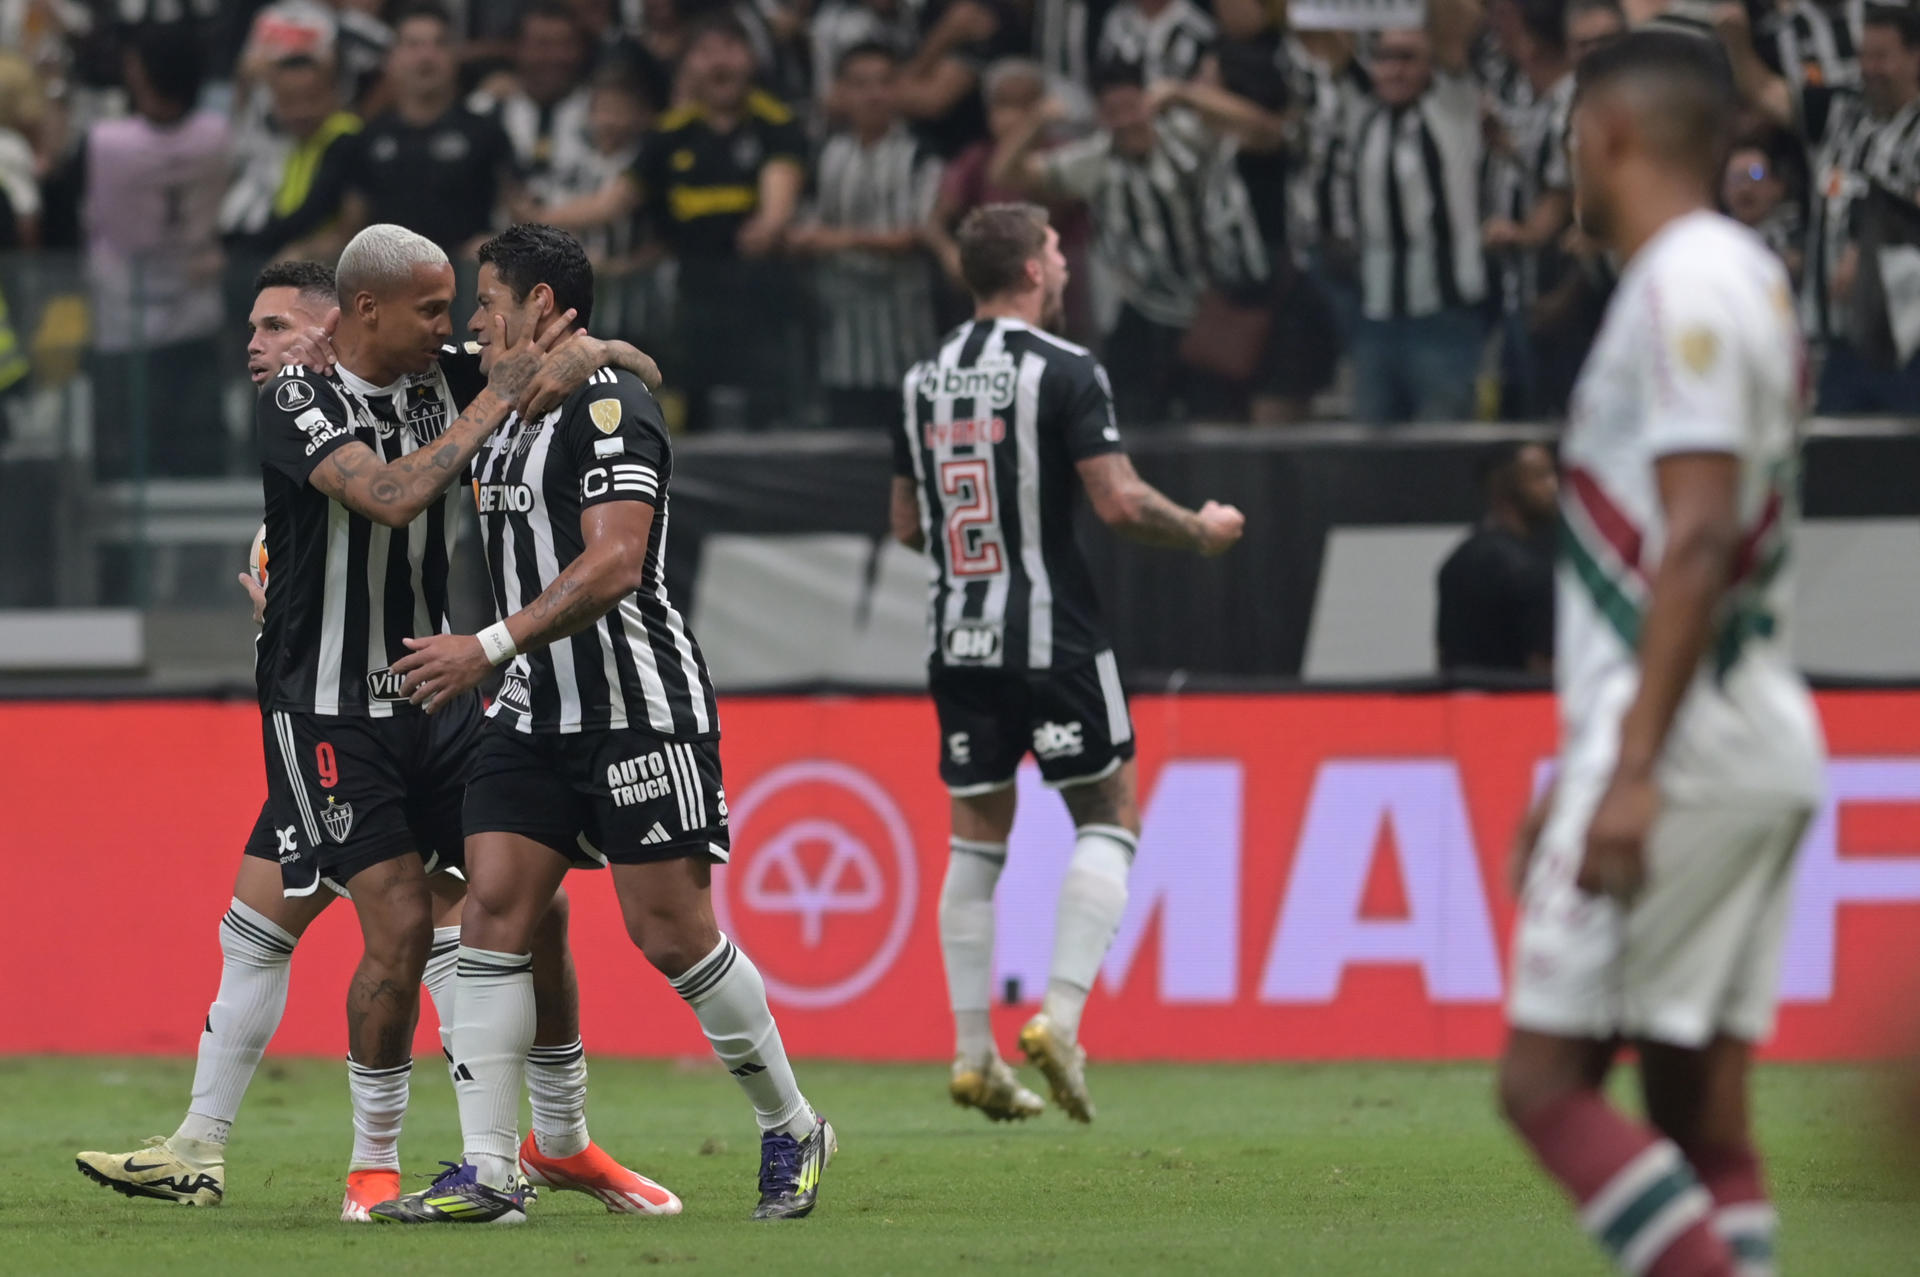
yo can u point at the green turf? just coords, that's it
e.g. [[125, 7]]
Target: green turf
[[1326, 1170]]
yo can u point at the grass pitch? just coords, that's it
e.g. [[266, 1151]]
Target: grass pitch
[[1276, 1169]]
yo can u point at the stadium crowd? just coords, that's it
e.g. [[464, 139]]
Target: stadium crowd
[[1256, 214]]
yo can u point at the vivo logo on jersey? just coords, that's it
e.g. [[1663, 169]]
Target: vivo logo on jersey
[[972, 643], [502, 498], [988, 382], [955, 433], [384, 685], [515, 693]]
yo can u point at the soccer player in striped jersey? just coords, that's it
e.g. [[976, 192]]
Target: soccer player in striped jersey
[[999, 430], [358, 465], [603, 748], [263, 925], [1656, 877]]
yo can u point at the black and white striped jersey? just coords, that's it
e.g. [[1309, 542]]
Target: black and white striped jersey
[[343, 591], [638, 665], [991, 430]]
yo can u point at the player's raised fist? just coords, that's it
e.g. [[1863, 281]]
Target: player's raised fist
[[1220, 527]]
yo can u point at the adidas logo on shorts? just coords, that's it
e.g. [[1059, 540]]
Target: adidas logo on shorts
[[658, 834]]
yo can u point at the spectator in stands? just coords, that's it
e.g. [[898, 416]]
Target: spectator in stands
[[278, 157], [347, 35], [1816, 42], [22, 108], [542, 103], [874, 187], [1532, 206], [150, 211], [1414, 187], [629, 300], [1591, 24], [429, 164], [839, 25], [1166, 39], [1860, 139], [720, 181], [1013, 88], [1759, 191], [1496, 588], [1145, 183], [940, 85]]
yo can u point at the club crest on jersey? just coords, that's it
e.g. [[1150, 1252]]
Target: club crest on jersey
[[426, 414], [292, 396], [989, 382], [338, 818], [1697, 347], [606, 414], [384, 685]]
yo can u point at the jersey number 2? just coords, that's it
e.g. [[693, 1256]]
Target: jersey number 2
[[973, 530]]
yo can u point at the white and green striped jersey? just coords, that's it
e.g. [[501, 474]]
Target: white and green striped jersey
[[1699, 352]]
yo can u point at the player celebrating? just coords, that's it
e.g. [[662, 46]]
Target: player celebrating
[[262, 926], [602, 748], [997, 429], [1656, 897]]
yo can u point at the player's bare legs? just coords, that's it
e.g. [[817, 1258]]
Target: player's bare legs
[[1106, 819], [1698, 1099], [980, 1079], [1631, 1185], [395, 907]]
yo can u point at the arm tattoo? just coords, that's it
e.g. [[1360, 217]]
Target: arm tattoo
[[1163, 523], [578, 597]]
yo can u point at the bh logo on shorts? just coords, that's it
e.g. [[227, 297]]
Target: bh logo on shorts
[[1058, 740], [822, 882]]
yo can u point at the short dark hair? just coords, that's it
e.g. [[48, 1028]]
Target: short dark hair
[[422, 9], [1612, 7], [1688, 85], [996, 243], [720, 23], [1545, 22], [1117, 73], [552, 10], [1904, 21], [532, 253], [310, 279], [170, 57], [866, 49]]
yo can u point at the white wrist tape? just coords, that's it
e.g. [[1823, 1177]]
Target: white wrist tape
[[497, 643]]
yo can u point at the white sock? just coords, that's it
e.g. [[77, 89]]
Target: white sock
[[493, 1025], [966, 941], [379, 1106], [1091, 902], [254, 954], [557, 1086], [726, 992], [438, 980]]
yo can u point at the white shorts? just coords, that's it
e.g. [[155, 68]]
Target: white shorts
[[1696, 955]]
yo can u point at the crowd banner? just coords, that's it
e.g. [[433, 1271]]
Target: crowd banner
[[1356, 15], [1320, 877]]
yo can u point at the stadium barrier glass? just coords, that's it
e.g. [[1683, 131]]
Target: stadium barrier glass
[[1321, 877]]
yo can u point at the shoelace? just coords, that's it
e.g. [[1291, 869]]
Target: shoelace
[[779, 1164], [452, 1172]]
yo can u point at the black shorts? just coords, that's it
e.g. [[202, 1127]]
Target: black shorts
[[623, 797], [264, 842], [361, 791], [1073, 718]]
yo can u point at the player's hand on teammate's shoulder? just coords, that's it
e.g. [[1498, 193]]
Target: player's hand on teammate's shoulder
[[440, 667], [1221, 527], [312, 347], [1615, 859]]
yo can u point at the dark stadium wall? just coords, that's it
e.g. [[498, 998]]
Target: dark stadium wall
[[1321, 877]]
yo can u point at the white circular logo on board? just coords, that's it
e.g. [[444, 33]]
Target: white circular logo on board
[[293, 395], [822, 883]]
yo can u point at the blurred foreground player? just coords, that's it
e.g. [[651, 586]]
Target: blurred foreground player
[[999, 429], [603, 748], [1657, 874]]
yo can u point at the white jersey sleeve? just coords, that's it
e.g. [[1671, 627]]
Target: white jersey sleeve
[[1701, 364]]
